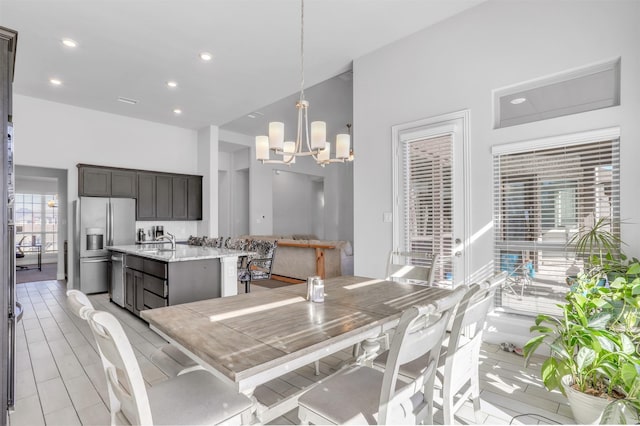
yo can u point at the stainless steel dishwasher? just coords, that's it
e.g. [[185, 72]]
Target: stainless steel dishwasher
[[116, 286]]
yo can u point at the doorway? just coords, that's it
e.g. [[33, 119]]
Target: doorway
[[430, 172], [40, 219]]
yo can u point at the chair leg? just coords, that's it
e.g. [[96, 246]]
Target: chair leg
[[247, 286], [447, 403], [475, 395], [317, 365]]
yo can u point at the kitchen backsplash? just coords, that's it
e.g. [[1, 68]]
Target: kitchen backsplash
[[181, 229]]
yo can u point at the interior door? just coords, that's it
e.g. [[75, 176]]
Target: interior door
[[430, 192]]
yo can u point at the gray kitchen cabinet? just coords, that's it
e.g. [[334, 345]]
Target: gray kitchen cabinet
[[94, 182], [180, 197], [145, 284], [151, 283], [194, 198], [124, 183], [106, 182], [160, 196], [146, 205], [164, 197]]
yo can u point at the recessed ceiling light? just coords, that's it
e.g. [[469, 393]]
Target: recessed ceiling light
[[127, 100], [177, 111], [206, 56], [251, 115], [55, 81], [518, 101], [172, 84], [255, 114], [69, 43]]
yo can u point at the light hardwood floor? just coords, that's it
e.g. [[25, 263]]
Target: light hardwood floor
[[60, 379]]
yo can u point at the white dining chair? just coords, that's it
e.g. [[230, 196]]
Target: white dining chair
[[459, 361], [411, 267], [193, 398], [364, 395], [180, 364], [457, 375]]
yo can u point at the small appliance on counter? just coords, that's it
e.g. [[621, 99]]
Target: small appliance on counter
[[141, 236], [157, 231]]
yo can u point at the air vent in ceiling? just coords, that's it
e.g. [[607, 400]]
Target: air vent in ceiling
[[584, 89], [127, 100]]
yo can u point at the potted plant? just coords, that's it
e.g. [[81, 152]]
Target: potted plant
[[594, 356], [599, 247]]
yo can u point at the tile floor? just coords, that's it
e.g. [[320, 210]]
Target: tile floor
[[60, 379]]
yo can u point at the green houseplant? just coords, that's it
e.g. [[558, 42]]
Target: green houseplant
[[594, 345], [599, 248]]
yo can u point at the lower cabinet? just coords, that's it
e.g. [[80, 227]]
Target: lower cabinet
[[151, 283], [145, 284]]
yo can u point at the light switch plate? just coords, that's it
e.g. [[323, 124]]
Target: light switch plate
[[387, 217]]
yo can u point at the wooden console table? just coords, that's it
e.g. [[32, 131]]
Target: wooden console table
[[319, 256]]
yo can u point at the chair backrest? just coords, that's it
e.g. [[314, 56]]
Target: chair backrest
[[19, 252], [411, 267], [127, 393], [260, 264], [418, 335], [79, 303], [236, 243], [469, 320]]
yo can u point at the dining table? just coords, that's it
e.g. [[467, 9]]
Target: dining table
[[249, 339]]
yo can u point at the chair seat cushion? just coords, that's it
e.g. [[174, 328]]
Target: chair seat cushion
[[195, 398], [353, 397]]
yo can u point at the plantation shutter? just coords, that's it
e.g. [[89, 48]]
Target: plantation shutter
[[544, 193], [428, 198]]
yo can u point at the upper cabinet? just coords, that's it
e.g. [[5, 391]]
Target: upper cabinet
[[106, 182], [194, 198], [146, 204], [160, 196]]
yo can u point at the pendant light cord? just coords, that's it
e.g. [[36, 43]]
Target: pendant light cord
[[301, 49]]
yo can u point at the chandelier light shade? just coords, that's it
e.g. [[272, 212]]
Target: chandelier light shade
[[315, 140]]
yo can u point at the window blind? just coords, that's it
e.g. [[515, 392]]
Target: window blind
[[542, 197], [428, 199]]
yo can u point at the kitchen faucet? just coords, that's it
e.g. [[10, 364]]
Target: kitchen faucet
[[170, 237]]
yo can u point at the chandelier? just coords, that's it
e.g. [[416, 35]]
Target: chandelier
[[317, 147]]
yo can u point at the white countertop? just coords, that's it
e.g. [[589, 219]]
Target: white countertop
[[182, 253]]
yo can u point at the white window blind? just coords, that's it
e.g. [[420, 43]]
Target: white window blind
[[542, 197], [427, 188]]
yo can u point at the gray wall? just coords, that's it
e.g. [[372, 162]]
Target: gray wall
[[297, 207], [456, 65]]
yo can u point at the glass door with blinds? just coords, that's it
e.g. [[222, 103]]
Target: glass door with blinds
[[429, 192], [544, 193]]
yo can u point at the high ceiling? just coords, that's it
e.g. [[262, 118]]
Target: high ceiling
[[132, 48]]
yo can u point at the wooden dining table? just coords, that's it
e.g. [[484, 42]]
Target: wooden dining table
[[252, 338]]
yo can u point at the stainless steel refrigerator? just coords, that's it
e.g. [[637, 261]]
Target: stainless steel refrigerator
[[100, 222]]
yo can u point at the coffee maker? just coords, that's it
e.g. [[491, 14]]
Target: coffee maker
[[157, 231]]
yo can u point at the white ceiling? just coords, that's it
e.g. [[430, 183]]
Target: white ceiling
[[131, 48]]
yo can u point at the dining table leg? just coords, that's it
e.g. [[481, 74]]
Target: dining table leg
[[371, 348]]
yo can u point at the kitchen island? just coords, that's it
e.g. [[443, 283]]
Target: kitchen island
[[156, 276]]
